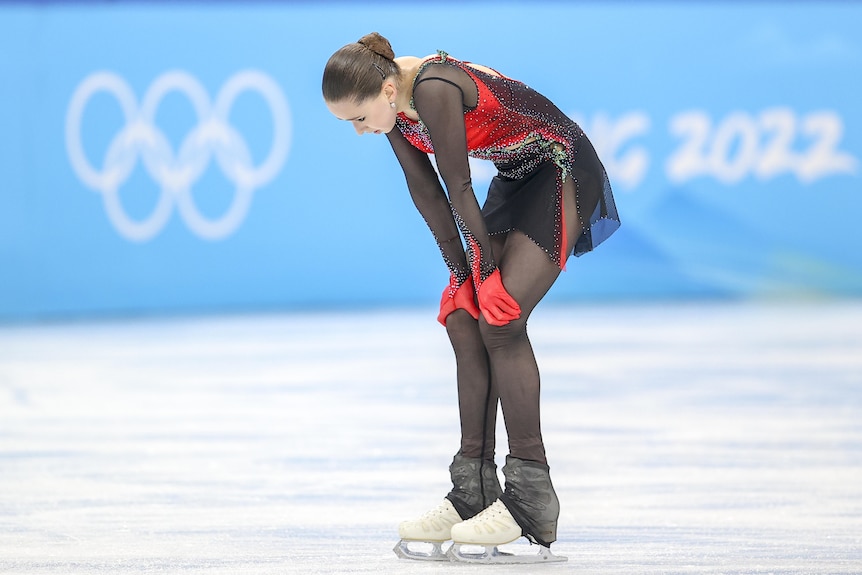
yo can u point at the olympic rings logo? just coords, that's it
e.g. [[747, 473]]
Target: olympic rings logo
[[176, 173]]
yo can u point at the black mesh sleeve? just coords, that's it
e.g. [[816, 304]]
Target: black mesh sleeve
[[440, 104], [431, 201]]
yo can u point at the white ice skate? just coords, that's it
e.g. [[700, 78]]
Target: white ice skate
[[493, 527], [423, 538]]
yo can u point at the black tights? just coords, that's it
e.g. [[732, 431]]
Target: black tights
[[497, 363]]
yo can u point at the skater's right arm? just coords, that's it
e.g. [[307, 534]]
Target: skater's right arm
[[433, 204]]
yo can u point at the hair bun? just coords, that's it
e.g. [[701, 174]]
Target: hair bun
[[378, 44]]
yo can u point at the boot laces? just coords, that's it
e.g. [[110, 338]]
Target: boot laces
[[438, 511], [493, 511]]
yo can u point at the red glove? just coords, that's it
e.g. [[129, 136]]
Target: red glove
[[498, 307], [457, 297]]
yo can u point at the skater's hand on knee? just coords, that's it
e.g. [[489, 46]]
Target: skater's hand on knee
[[458, 297], [497, 306]]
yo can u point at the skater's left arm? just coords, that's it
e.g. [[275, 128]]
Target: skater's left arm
[[440, 105]]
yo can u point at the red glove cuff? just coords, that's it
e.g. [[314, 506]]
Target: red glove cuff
[[458, 297]]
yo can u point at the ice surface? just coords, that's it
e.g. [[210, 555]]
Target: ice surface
[[702, 438]]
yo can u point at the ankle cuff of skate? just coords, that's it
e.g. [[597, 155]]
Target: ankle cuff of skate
[[464, 511], [523, 521]]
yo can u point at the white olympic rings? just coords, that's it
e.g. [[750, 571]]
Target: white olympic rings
[[176, 173]]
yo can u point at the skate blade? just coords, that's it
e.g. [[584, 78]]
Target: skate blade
[[460, 552], [419, 550]]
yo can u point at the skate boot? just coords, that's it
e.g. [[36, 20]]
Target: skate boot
[[529, 507], [475, 484]]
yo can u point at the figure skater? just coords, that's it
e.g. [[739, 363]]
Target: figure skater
[[551, 198]]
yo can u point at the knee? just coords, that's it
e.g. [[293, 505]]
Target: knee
[[463, 331], [500, 337]]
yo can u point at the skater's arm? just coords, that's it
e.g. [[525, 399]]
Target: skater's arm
[[430, 199], [440, 104]]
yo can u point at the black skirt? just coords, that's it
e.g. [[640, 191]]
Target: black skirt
[[529, 205], [527, 195]]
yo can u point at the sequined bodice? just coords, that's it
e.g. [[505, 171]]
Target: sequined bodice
[[509, 119], [515, 127]]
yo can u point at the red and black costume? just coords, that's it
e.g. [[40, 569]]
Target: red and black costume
[[465, 112], [544, 163]]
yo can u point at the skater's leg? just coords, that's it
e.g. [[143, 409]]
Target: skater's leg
[[529, 505], [528, 273], [477, 395], [475, 484]]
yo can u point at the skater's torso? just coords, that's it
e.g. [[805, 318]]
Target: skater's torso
[[503, 117]]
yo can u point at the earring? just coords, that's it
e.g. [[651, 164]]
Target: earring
[[391, 104]]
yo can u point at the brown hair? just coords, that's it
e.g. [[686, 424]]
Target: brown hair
[[357, 70]]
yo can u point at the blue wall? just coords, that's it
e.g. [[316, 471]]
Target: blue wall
[[178, 157]]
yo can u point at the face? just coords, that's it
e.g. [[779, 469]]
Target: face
[[371, 116]]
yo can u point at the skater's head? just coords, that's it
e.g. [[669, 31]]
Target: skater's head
[[360, 83]]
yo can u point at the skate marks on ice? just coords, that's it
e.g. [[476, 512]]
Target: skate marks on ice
[[684, 439]]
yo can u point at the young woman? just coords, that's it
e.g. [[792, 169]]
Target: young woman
[[551, 198]]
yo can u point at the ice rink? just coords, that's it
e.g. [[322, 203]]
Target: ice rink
[[687, 438]]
